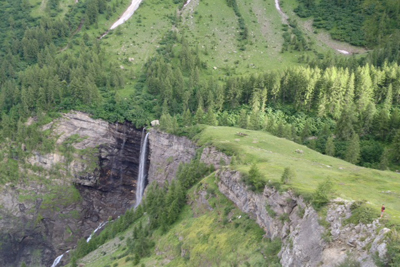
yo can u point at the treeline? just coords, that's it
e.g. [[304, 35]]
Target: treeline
[[316, 105], [362, 23]]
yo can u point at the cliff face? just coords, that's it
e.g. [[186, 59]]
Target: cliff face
[[166, 153], [90, 178], [305, 241]]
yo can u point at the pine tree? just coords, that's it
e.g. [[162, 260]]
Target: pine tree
[[288, 175], [211, 118], [255, 121], [306, 132], [353, 150], [165, 122], [345, 124], [367, 118], [330, 147], [280, 131], [387, 105], [381, 124], [395, 119], [385, 159], [243, 119], [187, 118], [199, 116], [395, 147]]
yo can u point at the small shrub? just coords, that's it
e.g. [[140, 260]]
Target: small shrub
[[321, 195], [270, 211], [361, 213], [349, 262], [288, 175], [284, 217], [301, 212], [255, 180]]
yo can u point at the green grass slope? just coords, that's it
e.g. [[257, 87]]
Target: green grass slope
[[210, 25], [209, 232], [272, 154]]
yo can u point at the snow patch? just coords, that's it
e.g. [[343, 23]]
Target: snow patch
[[127, 14], [343, 52], [278, 7], [187, 3]]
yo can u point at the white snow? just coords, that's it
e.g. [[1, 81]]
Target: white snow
[[127, 14], [187, 3], [278, 7], [343, 51]]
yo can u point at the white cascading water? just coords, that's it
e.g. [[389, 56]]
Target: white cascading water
[[141, 181], [95, 230], [57, 261]]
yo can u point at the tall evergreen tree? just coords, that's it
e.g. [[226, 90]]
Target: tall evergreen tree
[[330, 147], [395, 147], [385, 159], [353, 150], [243, 119]]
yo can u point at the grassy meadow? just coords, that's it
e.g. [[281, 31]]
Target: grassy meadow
[[272, 154]]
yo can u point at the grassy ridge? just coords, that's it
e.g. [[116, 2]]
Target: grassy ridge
[[272, 154]]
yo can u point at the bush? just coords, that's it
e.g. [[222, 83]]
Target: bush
[[349, 262], [361, 213], [321, 195], [288, 175], [255, 180]]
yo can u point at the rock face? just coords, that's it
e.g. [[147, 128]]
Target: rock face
[[166, 153], [88, 179], [304, 241]]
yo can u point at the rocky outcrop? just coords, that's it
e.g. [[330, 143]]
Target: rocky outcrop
[[305, 241], [89, 178], [211, 155], [279, 215], [167, 151]]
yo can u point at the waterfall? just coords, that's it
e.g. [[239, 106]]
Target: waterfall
[[141, 181], [95, 230], [57, 261]]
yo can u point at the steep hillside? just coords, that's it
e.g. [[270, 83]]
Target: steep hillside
[[216, 225]]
